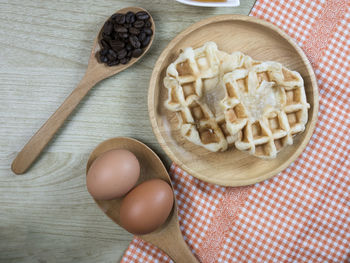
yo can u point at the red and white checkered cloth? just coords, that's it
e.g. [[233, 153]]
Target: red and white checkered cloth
[[302, 214]]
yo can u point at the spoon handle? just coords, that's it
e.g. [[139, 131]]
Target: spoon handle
[[40, 139], [171, 241], [178, 251]]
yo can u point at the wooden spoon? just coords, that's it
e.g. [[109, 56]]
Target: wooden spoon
[[167, 237], [95, 73]]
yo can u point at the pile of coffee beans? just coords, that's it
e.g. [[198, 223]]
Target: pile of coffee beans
[[124, 36]]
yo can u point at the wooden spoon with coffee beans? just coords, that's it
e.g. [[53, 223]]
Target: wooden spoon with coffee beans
[[112, 52]]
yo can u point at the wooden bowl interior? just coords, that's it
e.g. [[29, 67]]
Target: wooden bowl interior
[[261, 41]]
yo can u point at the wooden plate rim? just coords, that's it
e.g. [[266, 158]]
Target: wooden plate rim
[[152, 110]]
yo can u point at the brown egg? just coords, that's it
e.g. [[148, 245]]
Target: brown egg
[[146, 207], [113, 174]]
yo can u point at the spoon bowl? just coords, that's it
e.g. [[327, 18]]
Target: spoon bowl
[[168, 236], [108, 71], [95, 72]]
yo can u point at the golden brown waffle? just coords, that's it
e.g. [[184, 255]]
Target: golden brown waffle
[[185, 84], [264, 104]]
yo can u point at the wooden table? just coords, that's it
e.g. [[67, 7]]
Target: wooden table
[[47, 215]]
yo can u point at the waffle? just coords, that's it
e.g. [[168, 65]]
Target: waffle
[[266, 105], [185, 80], [262, 106]]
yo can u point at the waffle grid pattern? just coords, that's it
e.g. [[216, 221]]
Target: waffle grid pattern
[[268, 134]]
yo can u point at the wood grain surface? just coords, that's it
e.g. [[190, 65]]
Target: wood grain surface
[[47, 215]]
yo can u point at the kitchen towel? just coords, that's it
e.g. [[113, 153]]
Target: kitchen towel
[[303, 213]]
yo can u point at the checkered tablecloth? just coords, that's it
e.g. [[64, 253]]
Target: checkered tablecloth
[[303, 213]]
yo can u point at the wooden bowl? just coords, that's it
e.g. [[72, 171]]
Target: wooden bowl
[[262, 41]]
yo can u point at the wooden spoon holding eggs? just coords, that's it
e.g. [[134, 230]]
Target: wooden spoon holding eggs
[[168, 236], [95, 73]]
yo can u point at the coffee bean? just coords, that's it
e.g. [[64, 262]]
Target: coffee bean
[[108, 27], [104, 51], [105, 44], [111, 54], [136, 52], [128, 47], [134, 41], [146, 41], [106, 37], [148, 31], [117, 45], [134, 31], [142, 15], [113, 63], [124, 60], [110, 57], [120, 29], [120, 19], [111, 51], [122, 53], [103, 59], [148, 23], [130, 17], [139, 23], [141, 36], [123, 35]]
